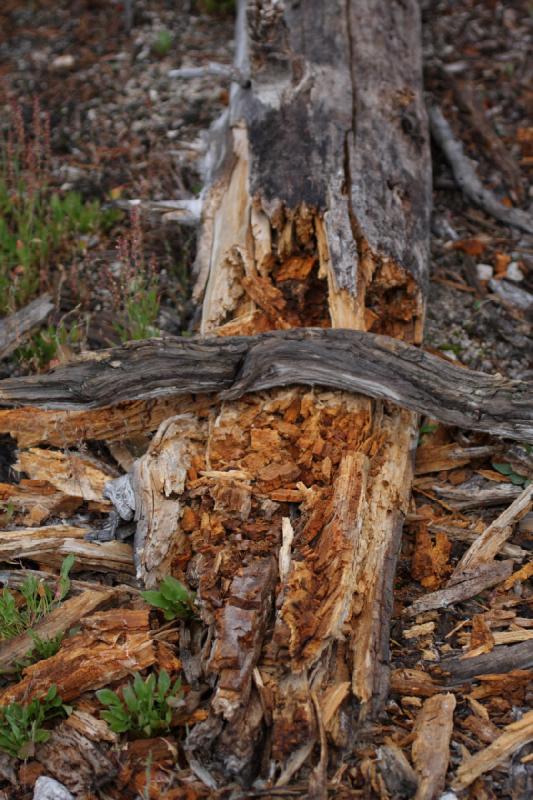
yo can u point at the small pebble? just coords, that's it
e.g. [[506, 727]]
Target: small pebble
[[50, 789], [484, 272], [514, 273], [63, 62]]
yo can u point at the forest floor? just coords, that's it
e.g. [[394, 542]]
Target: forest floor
[[91, 116]]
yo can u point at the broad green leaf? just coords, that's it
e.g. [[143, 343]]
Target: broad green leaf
[[108, 698], [503, 469]]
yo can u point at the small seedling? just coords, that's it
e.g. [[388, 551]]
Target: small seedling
[[38, 600], [172, 597], [451, 347], [7, 513], [146, 707], [163, 43], [44, 345], [425, 430], [21, 725]]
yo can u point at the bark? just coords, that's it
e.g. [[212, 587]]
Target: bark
[[288, 504]]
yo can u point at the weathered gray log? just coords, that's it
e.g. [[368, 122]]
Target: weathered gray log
[[14, 328], [378, 366]]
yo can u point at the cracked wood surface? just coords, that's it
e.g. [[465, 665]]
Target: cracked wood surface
[[280, 505], [378, 366], [288, 519]]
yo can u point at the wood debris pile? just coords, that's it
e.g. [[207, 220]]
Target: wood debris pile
[[319, 654]]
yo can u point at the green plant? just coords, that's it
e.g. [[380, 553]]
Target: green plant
[[172, 597], [36, 223], [7, 513], [135, 290], [218, 6], [514, 477], [163, 42], [42, 648], [38, 599], [425, 430], [451, 347], [44, 345], [21, 725], [146, 707]]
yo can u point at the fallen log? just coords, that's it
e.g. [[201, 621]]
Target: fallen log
[[349, 360]]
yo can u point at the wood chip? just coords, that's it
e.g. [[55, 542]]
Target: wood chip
[[431, 754]]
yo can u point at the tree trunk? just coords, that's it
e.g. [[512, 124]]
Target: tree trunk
[[284, 508]]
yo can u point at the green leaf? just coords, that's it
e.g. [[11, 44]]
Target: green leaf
[[174, 590], [503, 469], [130, 698], [163, 684], [117, 723], [154, 598], [108, 698]]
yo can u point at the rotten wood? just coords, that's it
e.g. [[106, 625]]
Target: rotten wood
[[72, 473], [50, 544], [33, 502], [436, 458], [471, 583], [110, 645], [31, 426], [378, 366], [511, 739], [486, 546], [316, 215], [17, 326], [500, 660], [57, 621], [94, 762]]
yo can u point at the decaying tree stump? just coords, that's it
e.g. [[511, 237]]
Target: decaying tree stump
[[284, 509]]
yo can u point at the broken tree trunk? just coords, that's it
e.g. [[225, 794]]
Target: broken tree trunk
[[284, 508]]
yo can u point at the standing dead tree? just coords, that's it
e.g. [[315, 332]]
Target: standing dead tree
[[284, 509]]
